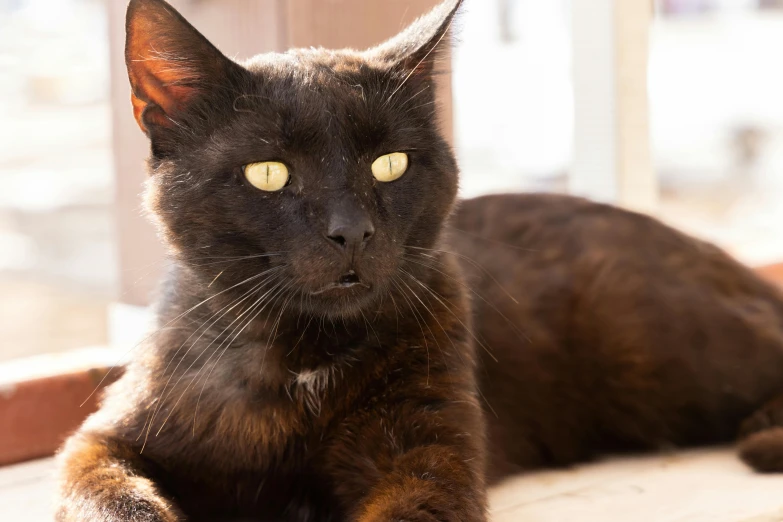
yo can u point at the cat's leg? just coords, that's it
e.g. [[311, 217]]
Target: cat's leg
[[103, 480], [761, 438], [413, 463]]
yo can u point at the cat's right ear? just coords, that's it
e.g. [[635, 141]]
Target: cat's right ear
[[170, 64], [417, 49]]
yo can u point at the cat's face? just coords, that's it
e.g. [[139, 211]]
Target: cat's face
[[310, 171]]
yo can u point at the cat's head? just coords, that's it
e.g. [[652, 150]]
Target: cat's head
[[311, 172]]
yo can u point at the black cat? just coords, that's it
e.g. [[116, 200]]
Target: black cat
[[336, 342]]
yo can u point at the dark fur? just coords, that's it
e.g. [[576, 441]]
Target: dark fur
[[596, 329]]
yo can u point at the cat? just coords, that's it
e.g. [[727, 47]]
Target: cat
[[340, 340]]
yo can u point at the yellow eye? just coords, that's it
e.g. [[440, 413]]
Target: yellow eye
[[390, 167], [269, 176]]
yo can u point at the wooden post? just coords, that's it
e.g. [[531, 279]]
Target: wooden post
[[612, 157]]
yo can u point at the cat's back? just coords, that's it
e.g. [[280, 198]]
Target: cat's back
[[559, 235], [575, 299]]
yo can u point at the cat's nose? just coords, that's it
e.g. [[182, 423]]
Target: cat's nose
[[349, 231]]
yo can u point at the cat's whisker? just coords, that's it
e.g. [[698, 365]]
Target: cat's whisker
[[410, 100], [511, 324], [473, 263], [273, 335], [413, 310], [170, 262], [233, 336], [251, 320], [396, 309], [434, 316], [195, 379], [486, 401], [434, 338], [301, 337], [167, 262], [216, 278], [228, 308], [205, 327], [179, 125], [469, 330], [445, 332], [208, 323], [424, 59], [489, 240], [153, 411], [368, 325], [182, 395], [276, 324], [160, 329], [417, 107], [442, 353]]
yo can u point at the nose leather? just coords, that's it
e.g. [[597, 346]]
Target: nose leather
[[349, 227]]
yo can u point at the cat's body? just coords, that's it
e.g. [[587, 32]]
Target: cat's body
[[627, 335], [330, 349]]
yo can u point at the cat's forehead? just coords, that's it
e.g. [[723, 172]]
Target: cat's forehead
[[315, 65], [318, 102]]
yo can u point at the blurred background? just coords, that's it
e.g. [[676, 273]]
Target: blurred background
[[67, 144]]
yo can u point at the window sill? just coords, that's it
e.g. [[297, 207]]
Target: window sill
[[45, 398]]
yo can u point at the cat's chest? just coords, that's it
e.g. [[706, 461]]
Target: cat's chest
[[241, 418], [269, 409]]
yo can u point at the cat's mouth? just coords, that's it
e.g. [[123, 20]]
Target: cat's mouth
[[349, 280]]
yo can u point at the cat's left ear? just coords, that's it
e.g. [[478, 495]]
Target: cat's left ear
[[170, 64], [417, 49]]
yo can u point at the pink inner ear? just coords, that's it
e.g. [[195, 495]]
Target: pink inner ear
[[162, 82]]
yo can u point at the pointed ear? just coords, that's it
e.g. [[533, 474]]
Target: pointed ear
[[170, 64], [418, 47]]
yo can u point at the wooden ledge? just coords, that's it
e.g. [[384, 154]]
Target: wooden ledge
[[45, 398]]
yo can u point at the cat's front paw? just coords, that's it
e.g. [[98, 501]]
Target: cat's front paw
[[143, 510], [117, 502], [409, 517], [423, 514], [122, 510]]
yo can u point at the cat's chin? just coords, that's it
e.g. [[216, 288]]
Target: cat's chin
[[340, 300], [342, 289]]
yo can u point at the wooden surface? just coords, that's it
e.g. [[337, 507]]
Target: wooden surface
[[699, 486]]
